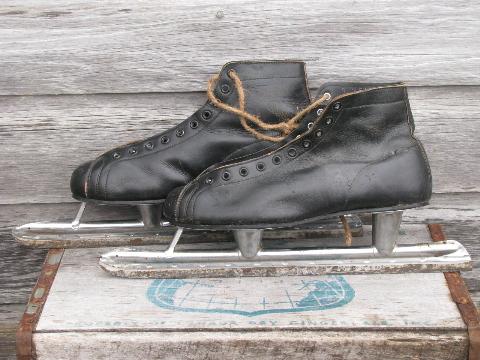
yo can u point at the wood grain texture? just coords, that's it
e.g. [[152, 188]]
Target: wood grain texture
[[45, 137], [9, 317], [327, 345], [84, 46], [7, 345]]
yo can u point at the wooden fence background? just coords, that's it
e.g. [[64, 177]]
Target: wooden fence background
[[82, 76]]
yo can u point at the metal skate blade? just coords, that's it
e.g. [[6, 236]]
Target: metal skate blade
[[430, 257], [129, 233]]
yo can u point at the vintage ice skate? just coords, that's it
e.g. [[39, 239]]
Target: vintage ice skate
[[141, 174], [359, 156]]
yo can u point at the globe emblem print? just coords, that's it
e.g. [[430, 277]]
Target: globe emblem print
[[215, 295]]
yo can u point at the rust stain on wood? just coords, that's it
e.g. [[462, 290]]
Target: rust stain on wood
[[24, 346], [461, 297]]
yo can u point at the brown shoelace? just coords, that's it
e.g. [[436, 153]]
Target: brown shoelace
[[285, 127]]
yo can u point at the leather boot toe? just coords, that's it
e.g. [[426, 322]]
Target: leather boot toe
[[79, 179]]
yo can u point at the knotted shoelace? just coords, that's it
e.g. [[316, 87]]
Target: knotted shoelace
[[284, 128]]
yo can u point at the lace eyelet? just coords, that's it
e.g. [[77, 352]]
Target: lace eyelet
[[337, 106], [276, 160], [116, 155], [319, 133], [208, 180], [292, 152], [226, 176], [309, 125], [225, 89], [180, 132], [328, 96], [206, 114], [164, 139], [149, 145], [328, 120], [319, 111], [306, 144], [260, 166], [132, 151], [243, 171], [193, 124]]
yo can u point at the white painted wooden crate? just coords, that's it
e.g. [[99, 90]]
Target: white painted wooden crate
[[91, 315]]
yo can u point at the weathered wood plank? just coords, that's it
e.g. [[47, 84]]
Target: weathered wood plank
[[9, 317], [44, 137], [85, 46], [19, 268], [7, 345], [327, 345]]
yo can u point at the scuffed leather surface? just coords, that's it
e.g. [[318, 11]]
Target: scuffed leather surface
[[274, 91], [257, 149], [367, 158]]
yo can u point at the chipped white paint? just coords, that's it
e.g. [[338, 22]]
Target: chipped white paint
[[89, 314]]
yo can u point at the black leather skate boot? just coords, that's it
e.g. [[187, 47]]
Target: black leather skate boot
[[359, 155], [146, 171]]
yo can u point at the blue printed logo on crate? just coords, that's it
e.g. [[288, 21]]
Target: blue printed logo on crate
[[242, 296]]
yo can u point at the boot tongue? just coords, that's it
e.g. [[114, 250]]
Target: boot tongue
[[274, 90]]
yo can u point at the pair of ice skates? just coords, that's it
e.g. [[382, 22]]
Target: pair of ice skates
[[262, 160]]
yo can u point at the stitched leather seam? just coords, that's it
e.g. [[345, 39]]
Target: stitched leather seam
[[417, 142], [87, 181], [273, 77], [97, 178], [249, 154], [105, 189], [425, 159], [383, 158], [178, 201], [305, 83], [405, 97], [187, 205], [227, 132], [373, 104]]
